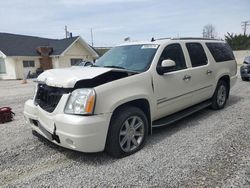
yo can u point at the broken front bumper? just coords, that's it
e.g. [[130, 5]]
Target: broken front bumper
[[81, 133]]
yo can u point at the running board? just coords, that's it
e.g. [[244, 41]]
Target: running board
[[179, 115]]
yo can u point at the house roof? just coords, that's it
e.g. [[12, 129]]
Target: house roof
[[22, 45]]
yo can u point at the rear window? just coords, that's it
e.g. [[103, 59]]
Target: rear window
[[220, 51]]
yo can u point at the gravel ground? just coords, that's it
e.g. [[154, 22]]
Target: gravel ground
[[208, 149]]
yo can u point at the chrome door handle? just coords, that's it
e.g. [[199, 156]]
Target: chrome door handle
[[186, 77], [209, 72]]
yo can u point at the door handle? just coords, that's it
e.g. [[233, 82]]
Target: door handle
[[209, 72], [187, 78]]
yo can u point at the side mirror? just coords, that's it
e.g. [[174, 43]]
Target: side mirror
[[168, 63], [166, 66]]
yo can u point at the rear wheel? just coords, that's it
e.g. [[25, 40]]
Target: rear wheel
[[220, 96], [127, 132]]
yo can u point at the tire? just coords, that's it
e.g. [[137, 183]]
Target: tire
[[129, 125], [220, 96], [34, 133], [244, 79]]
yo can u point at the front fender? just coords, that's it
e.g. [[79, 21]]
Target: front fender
[[113, 94]]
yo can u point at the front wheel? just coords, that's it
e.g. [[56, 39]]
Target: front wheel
[[220, 96], [127, 132]]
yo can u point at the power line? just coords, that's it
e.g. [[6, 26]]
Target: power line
[[244, 25]]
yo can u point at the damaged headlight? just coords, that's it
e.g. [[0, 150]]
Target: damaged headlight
[[81, 101]]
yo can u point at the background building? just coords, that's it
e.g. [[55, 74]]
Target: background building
[[21, 55]]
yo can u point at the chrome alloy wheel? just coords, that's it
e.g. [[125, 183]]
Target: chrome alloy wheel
[[221, 95], [131, 134]]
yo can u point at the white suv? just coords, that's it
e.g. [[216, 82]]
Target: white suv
[[134, 87]]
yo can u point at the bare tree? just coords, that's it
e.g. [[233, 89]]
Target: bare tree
[[209, 31]]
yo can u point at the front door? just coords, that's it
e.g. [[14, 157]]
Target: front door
[[173, 89]]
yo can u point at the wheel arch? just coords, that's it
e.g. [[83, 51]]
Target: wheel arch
[[226, 79], [142, 104]]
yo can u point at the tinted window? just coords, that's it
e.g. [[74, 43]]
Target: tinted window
[[28, 64], [175, 53], [220, 51], [197, 54]]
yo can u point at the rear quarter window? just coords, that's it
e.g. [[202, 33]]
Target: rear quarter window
[[220, 51]]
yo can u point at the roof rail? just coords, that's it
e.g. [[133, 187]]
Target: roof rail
[[195, 38], [153, 39]]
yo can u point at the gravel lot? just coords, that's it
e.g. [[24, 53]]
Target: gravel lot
[[208, 149]]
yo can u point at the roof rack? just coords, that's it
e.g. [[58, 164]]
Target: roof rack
[[153, 39], [194, 38], [184, 38]]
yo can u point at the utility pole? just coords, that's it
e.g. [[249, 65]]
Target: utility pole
[[92, 39], [244, 25]]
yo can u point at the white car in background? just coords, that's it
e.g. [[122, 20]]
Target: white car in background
[[134, 87]]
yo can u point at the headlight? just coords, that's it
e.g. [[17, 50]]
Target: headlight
[[81, 101]]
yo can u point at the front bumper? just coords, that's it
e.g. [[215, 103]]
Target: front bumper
[[245, 71], [80, 133], [245, 75]]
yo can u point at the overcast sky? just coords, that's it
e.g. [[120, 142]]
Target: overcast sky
[[113, 20]]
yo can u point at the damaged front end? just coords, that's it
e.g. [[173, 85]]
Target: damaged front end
[[49, 94]]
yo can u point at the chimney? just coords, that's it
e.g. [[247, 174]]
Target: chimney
[[44, 50], [45, 60]]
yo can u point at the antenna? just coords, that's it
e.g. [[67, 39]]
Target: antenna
[[66, 31]]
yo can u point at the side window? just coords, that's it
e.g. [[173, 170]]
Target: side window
[[220, 51], [175, 53], [197, 54]]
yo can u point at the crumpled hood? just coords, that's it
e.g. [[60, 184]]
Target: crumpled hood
[[67, 77]]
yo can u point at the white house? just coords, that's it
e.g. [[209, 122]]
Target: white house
[[20, 54]]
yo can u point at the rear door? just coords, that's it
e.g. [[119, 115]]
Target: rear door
[[202, 72]]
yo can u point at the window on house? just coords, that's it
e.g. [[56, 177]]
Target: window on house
[[75, 61], [28, 63], [2, 66], [197, 54]]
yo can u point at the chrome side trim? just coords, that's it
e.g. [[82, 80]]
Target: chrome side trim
[[165, 99]]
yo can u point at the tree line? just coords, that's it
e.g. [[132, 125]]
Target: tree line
[[236, 41]]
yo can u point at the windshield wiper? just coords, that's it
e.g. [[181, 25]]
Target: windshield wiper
[[113, 66]]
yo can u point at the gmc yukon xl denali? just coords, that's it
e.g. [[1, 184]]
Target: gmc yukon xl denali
[[114, 104]]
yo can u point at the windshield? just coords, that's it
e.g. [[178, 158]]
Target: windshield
[[131, 57]]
